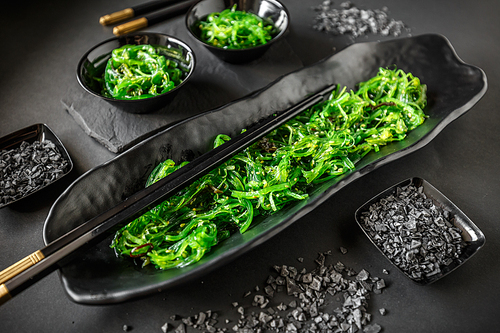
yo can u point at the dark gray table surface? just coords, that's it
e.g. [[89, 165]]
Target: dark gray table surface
[[41, 45]]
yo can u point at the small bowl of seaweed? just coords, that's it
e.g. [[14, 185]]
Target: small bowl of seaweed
[[137, 73], [419, 230], [238, 31]]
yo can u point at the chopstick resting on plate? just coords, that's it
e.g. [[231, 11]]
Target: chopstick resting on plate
[[134, 11], [149, 20], [29, 270]]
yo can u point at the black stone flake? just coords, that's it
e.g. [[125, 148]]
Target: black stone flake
[[291, 287], [372, 328], [269, 290], [181, 328], [188, 321], [165, 327], [201, 318]]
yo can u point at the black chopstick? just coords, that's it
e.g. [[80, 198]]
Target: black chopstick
[[149, 20], [134, 11], [144, 200]]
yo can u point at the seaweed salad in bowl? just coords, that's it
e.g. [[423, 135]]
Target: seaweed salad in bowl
[[137, 73], [237, 31]]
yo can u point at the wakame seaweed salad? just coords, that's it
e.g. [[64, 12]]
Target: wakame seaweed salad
[[235, 29], [323, 142], [141, 71]]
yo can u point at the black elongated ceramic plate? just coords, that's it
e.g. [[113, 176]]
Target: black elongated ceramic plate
[[96, 276]]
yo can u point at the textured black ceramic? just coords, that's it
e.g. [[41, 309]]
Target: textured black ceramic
[[94, 61], [268, 9], [97, 276], [30, 134], [471, 234]]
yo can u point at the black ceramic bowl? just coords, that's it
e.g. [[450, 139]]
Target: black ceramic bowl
[[472, 237], [30, 134], [94, 61], [267, 9]]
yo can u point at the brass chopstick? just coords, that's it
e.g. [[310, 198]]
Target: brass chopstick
[[149, 20], [134, 11]]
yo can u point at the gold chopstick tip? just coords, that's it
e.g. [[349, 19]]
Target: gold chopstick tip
[[130, 26], [4, 294], [117, 16]]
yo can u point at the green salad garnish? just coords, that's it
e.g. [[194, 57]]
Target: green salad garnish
[[321, 143], [141, 71], [235, 29]]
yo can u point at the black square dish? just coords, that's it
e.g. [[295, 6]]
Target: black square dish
[[30, 159], [419, 230]]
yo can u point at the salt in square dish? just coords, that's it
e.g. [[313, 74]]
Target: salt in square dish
[[472, 238], [30, 134]]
